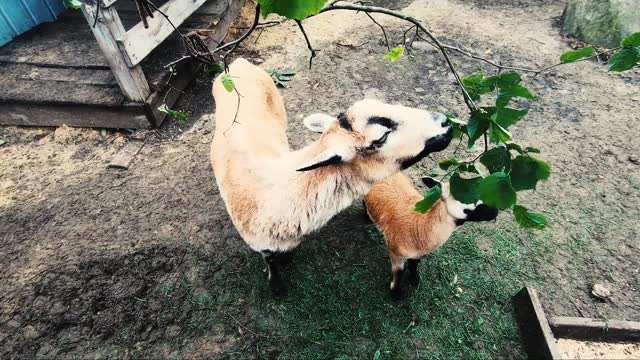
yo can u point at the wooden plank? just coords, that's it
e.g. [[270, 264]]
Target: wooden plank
[[534, 327], [63, 93], [109, 27], [130, 115], [188, 70], [28, 72], [124, 157], [594, 329], [66, 42], [138, 42]]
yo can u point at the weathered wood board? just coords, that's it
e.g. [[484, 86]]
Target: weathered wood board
[[57, 74]]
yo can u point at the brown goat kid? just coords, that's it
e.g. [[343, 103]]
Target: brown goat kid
[[411, 235]]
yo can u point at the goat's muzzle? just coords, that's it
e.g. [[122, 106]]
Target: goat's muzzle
[[434, 144]]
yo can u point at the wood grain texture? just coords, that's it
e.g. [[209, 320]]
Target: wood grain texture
[[138, 42], [108, 28], [595, 329], [126, 117], [534, 327]]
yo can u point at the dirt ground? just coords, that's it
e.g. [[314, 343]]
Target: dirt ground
[[91, 256]]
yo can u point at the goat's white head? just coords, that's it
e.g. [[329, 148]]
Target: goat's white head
[[378, 139], [460, 211]]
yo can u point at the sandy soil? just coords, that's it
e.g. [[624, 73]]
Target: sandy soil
[[80, 242], [573, 349]]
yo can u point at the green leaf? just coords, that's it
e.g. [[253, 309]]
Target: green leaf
[[526, 171], [498, 134], [215, 68], [624, 59], [478, 123], [446, 164], [529, 219], [506, 117], [631, 40], [464, 190], [532, 150], [476, 84], [505, 95], [73, 4], [2, 142], [507, 80], [395, 54], [227, 82], [430, 198], [497, 159], [173, 113], [571, 56], [291, 9], [516, 147], [456, 133], [496, 190], [468, 167]]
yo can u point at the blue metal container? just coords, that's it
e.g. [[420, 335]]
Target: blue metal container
[[18, 16]]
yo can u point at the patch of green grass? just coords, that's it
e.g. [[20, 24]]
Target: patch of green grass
[[338, 305]]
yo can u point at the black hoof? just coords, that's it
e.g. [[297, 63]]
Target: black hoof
[[414, 279], [397, 294], [278, 287]]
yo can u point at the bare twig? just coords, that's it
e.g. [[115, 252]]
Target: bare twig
[[235, 117], [233, 44], [384, 32], [375, 9], [306, 38]]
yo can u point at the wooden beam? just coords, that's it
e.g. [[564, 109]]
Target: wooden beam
[[534, 327], [138, 42], [594, 329], [128, 116], [109, 27]]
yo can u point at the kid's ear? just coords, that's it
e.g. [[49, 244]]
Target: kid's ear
[[429, 181], [318, 122]]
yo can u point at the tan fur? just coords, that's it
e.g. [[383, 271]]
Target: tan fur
[[271, 203], [409, 234]]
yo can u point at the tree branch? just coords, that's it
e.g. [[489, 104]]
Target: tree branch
[[313, 51], [233, 44], [375, 9]]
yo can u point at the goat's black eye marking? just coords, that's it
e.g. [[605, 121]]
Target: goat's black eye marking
[[386, 122], [378, 143], [344, 122]]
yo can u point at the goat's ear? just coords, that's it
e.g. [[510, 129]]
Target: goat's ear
[[318, 122], [332, 156], [335, 159], [429, 181]]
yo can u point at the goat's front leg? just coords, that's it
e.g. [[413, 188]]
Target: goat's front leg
[[397, 272], [274, 261], [414, 275]]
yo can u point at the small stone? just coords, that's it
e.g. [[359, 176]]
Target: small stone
[[419, 90], [600, 291], [634, 159]]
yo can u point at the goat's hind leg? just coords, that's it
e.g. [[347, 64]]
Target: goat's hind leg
[[412, 268], [274, 261], [397, 271]]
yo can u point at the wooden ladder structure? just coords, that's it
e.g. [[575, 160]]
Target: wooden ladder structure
[[88, 95]]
